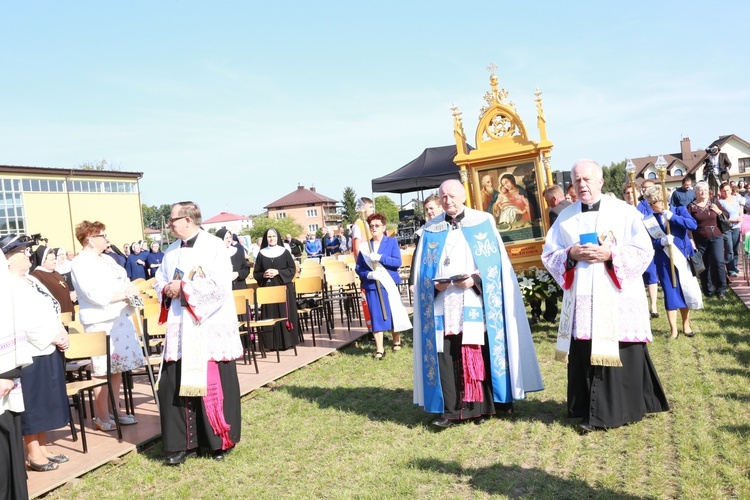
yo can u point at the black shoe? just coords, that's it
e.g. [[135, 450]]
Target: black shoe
[[442, 423], [584, 429], [482, 420], [655, 315], [219, 455], [179, 457]]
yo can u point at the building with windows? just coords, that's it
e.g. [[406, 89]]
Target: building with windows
[[690, 162], [309, 208], [52, 201], [233, 222]]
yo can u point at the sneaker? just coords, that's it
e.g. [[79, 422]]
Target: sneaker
[[734, 274]]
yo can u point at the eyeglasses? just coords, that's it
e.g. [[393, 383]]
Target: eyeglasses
[[27, 251], [172, 220], [100, 236], [373, 226]]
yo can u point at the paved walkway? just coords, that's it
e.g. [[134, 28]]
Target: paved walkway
[[104, 447]]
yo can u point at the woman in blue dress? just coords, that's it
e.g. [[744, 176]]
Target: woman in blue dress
[[386, 251], [680, 222]]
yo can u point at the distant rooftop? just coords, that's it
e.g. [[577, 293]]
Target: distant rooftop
[[301, 196]]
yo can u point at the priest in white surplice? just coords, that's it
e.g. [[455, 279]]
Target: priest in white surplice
[[597, 251], [198, 391], [473, 351]]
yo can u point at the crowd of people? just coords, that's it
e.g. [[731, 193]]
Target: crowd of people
[[473, 352]]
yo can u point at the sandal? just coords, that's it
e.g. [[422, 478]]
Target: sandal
[[379, 355], [126, 419], [58, 459], [104, 426], [42, 467], [397, 346]]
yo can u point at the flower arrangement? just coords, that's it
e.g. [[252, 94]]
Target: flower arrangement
[[536, 284]]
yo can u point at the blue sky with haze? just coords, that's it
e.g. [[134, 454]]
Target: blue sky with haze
[[232, 104]]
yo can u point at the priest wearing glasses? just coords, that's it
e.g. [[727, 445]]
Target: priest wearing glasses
[[597, 251], [199, 393], [473, 351]]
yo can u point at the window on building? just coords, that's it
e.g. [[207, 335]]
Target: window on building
[[280, 215], [651, 175], [312, 212], [744, 165], [311, 228], [11, 207], [677, 172]]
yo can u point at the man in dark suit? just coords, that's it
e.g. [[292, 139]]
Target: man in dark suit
[[556, 201], [716, 168]]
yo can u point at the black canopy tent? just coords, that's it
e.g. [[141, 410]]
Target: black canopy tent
[[427, 171]]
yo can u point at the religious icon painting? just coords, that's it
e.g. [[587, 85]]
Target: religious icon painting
[[511, 195]]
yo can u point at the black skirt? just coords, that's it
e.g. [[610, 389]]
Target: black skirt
[[605, 396], [44, 397]]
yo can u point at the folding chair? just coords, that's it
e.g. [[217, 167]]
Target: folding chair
[[242, 307], [268, 295], [86, 345], [404, 271], [311, 288], [341, 288]]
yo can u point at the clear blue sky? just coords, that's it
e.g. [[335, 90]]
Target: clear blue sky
[[232, 104]]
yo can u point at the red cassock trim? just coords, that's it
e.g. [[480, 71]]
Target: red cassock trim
[[613, 276]]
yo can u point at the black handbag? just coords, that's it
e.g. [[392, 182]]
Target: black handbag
[[724, 224], [696, 263]]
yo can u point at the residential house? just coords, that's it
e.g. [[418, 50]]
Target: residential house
[[233, 222], [690, 162], [309, 208]]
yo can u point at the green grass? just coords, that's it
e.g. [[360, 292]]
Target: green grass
[[346, 427]]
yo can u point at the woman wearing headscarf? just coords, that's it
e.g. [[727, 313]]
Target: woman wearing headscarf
[[44, 264], [135, 265], [104, 294], [240, 267], [377, 267], [684, 293], [37, 316], [275, 266], [15, 353], [153, 260]]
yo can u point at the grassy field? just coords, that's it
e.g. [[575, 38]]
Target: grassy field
[[345, 427]]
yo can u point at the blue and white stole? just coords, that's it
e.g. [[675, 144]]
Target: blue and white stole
[[486, 254]]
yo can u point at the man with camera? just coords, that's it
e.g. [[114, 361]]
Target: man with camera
[[716, 168]]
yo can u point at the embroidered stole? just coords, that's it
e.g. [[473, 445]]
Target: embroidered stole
[[486, 256]]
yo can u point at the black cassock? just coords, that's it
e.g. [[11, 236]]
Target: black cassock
[[284, 263]]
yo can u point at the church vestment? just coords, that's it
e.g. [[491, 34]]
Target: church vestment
[[15, 353], [198, 388], [472, 348], [604, 321]]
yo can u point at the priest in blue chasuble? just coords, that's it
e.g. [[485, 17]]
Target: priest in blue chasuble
[[473, 351]]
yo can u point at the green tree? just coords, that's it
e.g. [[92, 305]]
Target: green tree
[[349, 212], [284, 225], [155, 217], [102, 164], [386, 206], [614, 178]]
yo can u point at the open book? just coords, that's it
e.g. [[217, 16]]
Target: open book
[[452, 279]]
